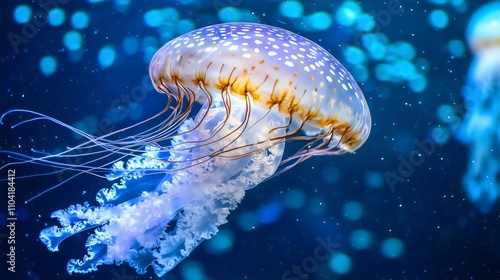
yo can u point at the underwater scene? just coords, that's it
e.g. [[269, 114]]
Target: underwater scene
[[234, 139]]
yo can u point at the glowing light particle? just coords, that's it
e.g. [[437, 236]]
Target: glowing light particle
[[48, 65], [22, 14]]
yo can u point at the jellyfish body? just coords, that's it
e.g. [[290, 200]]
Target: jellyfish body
[[194, 200], [479, 129], [175, 183]]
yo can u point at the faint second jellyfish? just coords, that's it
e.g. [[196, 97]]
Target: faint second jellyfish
[[480, 127]]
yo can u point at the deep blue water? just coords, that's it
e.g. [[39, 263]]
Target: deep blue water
[[279, 224]]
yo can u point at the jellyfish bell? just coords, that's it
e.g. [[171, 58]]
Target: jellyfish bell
[[176, 182], [483, 30], [271, 69], [483, 37]]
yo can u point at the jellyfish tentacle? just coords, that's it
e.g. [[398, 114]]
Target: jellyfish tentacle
[[197, 199]]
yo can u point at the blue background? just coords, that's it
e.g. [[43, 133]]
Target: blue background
[[443, 235]]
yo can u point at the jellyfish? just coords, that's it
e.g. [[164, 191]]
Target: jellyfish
[[480, 127], [236, 94]]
